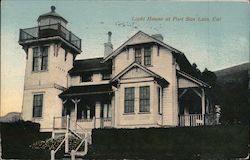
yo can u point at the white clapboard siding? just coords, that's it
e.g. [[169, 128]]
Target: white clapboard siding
[[184, 83]]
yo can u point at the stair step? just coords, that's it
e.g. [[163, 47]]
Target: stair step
[[68, 157], [80, 154]]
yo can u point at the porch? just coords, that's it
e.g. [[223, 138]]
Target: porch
[[197, 120], [195, 106], [87, 106]]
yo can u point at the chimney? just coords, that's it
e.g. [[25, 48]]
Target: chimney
[[108, 47], [158, 36]]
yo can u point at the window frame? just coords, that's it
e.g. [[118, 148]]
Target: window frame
[[106, 76], [107, 111], [35, 64], [144, 99], [138, 55], [88, 79], [159, 99], [35, 106], [129, 100], [147, 56], [40, 58], [44, 57]]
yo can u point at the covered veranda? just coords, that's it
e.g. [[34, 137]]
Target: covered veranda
[[194, 102], [88, 107]]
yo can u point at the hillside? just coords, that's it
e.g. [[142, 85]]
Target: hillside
[[237, 73]]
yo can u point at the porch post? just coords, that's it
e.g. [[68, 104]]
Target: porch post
[[97, 114], [203, 103], [75, 101], [63, 107], [113, 111]]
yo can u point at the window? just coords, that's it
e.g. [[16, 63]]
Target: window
[[159, 99], [85, 111], [37, 105], [138, 55], [35, 59], [147, 56], [144, 99], [107, 112], [88, 113], [158, 50], [44, 58], [87, 77], [129, 100], [106, 76], [65, 55], [40, 58]]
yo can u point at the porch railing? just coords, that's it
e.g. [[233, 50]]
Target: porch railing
[[191, 120], [60, 122], [90, 123], [49, 31], [197, 119], [106, 122]]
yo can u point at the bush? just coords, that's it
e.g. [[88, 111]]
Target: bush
[[17, 138], [172, 143]]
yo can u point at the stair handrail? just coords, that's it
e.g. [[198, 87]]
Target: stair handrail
[[78, 147], [76, 125], [74, 152], [65, 140]]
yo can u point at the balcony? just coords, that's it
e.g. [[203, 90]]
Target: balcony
[[49, 31]]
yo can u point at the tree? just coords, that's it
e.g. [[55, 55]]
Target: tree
[[234, 103]]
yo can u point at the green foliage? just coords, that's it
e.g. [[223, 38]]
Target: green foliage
[[52, 144], [170, 143], [234, 103], [18, 136]]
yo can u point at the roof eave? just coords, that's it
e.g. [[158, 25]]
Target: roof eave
[[119, 49], [196, 80], [45, 16]]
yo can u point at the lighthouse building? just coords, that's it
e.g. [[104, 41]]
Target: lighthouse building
[[142, 83]]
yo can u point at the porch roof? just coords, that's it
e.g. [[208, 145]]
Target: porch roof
[[86, 90], [193, 79], [90, 65]]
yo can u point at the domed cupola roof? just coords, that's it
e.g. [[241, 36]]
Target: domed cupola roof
[[52, 14]]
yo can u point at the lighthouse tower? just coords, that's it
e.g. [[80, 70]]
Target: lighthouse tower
[[50, 51]]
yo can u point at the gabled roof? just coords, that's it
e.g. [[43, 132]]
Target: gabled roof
[[178, 55], [152, 39], [156, 76], [90, 65], [193, 79]]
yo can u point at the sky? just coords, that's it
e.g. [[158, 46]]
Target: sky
[[216, 38]]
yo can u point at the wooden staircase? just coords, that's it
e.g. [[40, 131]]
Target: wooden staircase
[[67, 131]]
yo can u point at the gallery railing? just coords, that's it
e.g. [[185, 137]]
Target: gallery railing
[[49, 31]]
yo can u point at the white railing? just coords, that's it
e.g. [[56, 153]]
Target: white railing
[[82, 124], [106, 122], [77, 131], [59, 122], [87, 123], [65, 140], [191, 120]]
